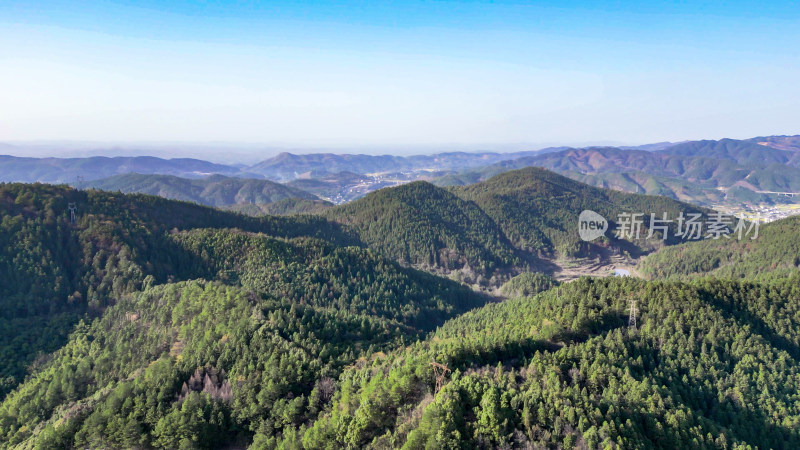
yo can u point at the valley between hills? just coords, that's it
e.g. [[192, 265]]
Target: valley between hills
[[169, 310]]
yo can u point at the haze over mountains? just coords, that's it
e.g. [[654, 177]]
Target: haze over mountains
[[283, 167], [754, 172], [67, 170], [703, 172]]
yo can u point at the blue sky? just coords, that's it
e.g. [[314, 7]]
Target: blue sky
[[398, 74]]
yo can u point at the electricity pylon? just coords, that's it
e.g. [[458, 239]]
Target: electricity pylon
[[632, 315]]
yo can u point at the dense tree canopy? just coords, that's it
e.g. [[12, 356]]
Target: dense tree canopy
[[53, 270], [149, 323], [486, 232], [775, 252], [712, 364], [422, 224]]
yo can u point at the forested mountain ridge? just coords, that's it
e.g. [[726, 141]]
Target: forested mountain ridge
[[427, 226], [285, 207], [288, 166], [153, 323], [745, 153], [538, 209], [215, 190], [791, 143], [517, 221], [711, 364], [774, 253], [304, 308], [54, 270], [314, 272]]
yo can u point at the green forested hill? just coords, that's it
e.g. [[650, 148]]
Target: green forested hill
[[313, 272], [538, 209], [215, 190], [421, 224], [774, 253], [53, 271], [285, 207], [507, 222], [742, 152], [125, 380], [712, 364], [301, 307], [289, 316], [527, 284], [151, 323]]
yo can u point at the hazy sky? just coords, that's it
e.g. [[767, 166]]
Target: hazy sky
[[398, 73]]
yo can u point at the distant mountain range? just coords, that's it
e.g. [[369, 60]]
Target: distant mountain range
[[214, 190], [780, 142], [283, 167], [286, 166], [67, 170], [705, 172]]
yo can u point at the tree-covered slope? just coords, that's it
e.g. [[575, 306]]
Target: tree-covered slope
[[253, 344], [538, 210], [215, 190], [775, 252], [513, 222], [527, 284], [285, 207], [150, 323], [313, 272], [186, 365], [711, 364], [427, 226], [54, 271]]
